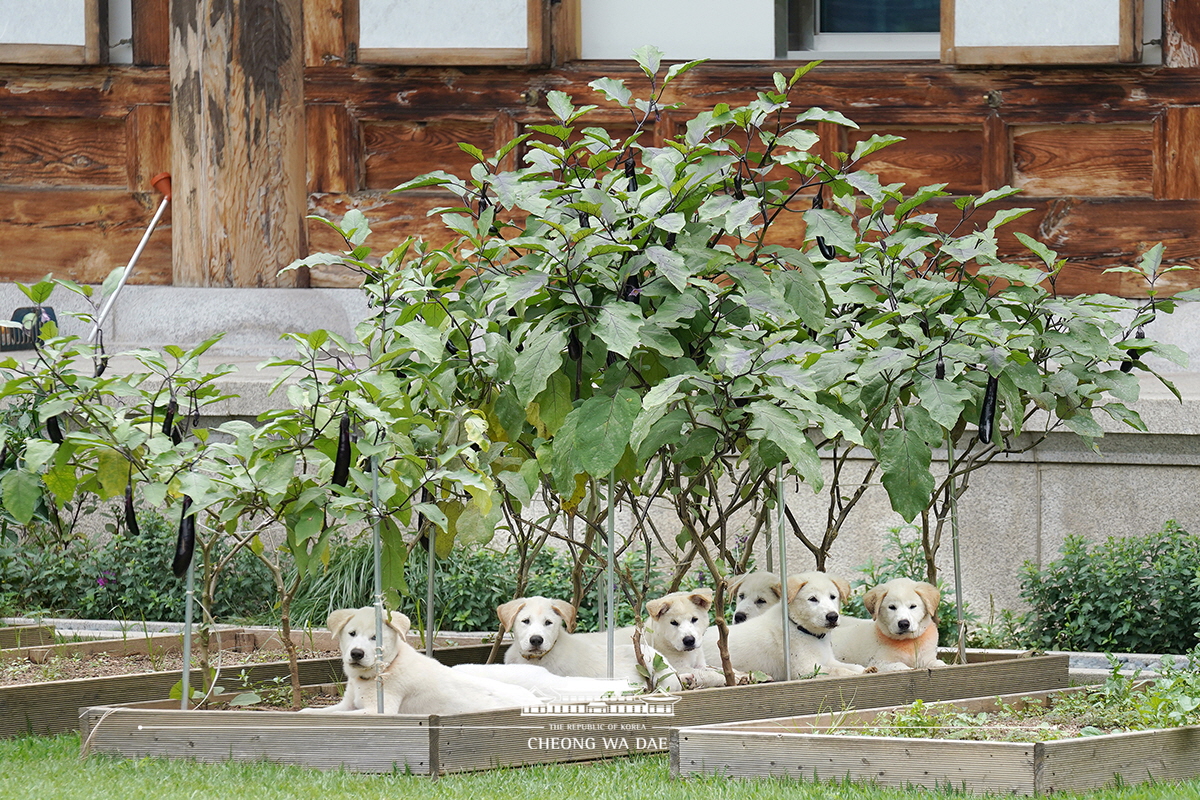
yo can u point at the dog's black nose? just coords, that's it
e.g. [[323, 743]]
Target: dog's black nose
[[689, 642], [356, 654], [536, 641], [831, 618], [739, 617], [903, 624]]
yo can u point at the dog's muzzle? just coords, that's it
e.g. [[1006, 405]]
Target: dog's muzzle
[[357, 655], [739, 617], [689, 643]]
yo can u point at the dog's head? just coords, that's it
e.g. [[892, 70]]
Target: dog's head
[[354, 629], [679, 619], [536, 623], [755, 593], [815, 600], [903, 608]]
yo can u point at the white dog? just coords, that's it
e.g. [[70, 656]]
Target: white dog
[[542, 635], [902, 632], [413, 683], [813, 603], [755, 593], [675, 629], [544, 683]]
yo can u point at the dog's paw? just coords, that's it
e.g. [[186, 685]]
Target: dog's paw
[[870, 670]]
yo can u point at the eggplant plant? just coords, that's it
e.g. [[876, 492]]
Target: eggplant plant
[[680, 320]]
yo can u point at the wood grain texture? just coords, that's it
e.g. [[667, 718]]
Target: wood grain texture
[[398, 151], [1089, 161], [62, 152], [1178, 165], [151, 23], [1181, 34], [148, 136], [953, 156], [334, 149], [237, 126], [81, 234], [325, 36]]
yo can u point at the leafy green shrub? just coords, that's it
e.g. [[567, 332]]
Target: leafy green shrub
[[1128, 594], [128, 577]]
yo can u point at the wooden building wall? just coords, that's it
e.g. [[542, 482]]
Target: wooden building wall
[[1108, 156]]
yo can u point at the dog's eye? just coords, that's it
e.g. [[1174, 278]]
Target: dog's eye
[[354, 633], [742, 596], [525, 621], [372, 638], [675, 622], [695, 619], [892, 607], [548, 622], [760, 601], [833, 596], [913, 606]]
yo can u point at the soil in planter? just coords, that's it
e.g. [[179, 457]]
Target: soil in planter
[[102, 665], [1118, 706]]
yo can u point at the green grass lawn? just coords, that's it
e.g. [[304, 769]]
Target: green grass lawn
[[49, 768]]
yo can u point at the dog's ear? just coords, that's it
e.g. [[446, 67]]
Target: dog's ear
[[657, 607], [702, 597], [930, 596], [777, 589], [795, 584], [843, 588], [508, 612], [873, 599], [566, 611], [732, 583], [338, 619], [400, 622]]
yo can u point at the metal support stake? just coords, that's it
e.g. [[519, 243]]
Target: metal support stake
[[780, 501], [958, 591], [429, 618], [377, 543], [610, 616], [188, 605]]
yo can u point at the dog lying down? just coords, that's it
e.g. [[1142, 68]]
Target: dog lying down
[[675, 628], [545, 684], [413, 683], [542, 635], [902, 632], [755, 593], [813, 603]]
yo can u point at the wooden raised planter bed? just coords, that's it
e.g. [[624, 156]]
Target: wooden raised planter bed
[[800, 747], [25, 636], [436, 745], [51, 707]]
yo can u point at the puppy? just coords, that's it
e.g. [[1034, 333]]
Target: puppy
[[813, 603], [544, 683], [755, 593], [542, 635], [902, 632], [676, 627], [413, 683]]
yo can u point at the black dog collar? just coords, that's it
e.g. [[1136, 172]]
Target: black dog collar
[[805, 630]]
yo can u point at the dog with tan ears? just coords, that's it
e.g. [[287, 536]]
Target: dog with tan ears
[[413, 683], [543, 634], [813, 611], [754, 592], [902, 632]]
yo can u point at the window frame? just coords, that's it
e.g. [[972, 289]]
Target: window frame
[[1127, 49], [535, 52], [94, 49]]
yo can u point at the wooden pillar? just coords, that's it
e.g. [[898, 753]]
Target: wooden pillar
[[237, 129]]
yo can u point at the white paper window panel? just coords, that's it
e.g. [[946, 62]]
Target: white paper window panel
[[443, 24], [42, 22], [682, 29], [1032, 23]]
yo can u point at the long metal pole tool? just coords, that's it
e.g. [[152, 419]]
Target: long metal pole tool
[[162, 183]]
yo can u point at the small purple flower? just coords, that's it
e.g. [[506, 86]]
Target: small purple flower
[[104, 578]]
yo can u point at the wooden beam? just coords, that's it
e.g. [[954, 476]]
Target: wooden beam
[[1181, 34], [148, 142], [326, 39], [334, 149], [1177, 176], [151, 42], [237, 126]]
